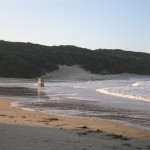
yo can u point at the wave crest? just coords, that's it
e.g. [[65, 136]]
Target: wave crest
[[123, 95]]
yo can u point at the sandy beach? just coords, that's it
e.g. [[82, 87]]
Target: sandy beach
[[93, 131], [34, 130]]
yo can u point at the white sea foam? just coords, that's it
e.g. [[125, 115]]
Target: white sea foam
[[108, 91], [17, 105], [14, 104], [79, 87], [137, 84]]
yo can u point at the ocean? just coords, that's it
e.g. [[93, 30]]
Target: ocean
[[123, 100]]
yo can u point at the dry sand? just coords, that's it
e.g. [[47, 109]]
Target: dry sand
[[64, 132]]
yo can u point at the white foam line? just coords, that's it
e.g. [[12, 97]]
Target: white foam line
[[106, 91], [79, 87], [137, 84], [16, 105]]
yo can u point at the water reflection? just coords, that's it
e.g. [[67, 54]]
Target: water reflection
[[23, 92], [39, 91]]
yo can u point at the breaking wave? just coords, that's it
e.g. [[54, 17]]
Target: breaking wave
[[122, 94]]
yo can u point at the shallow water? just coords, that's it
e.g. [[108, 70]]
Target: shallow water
[[129, 104]]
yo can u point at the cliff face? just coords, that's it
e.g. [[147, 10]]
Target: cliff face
[[27, 60]]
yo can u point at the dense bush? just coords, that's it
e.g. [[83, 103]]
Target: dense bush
[[27, 60]]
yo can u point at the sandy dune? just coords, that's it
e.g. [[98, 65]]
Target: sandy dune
[[77, 73], [71, 73]]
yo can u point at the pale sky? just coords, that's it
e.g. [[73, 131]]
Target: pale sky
[[115, 24]]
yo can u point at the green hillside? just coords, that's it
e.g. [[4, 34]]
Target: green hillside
[[27, 60]]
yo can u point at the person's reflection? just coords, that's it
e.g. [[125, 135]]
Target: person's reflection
[[39, 91]]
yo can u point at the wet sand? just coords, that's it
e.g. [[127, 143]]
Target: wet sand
[[14, 137], [28, 129]]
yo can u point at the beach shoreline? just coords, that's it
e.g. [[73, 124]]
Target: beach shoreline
[[22, 129], [17, 116]]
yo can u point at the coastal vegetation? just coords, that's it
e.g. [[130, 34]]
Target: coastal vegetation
[[27, 60]]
